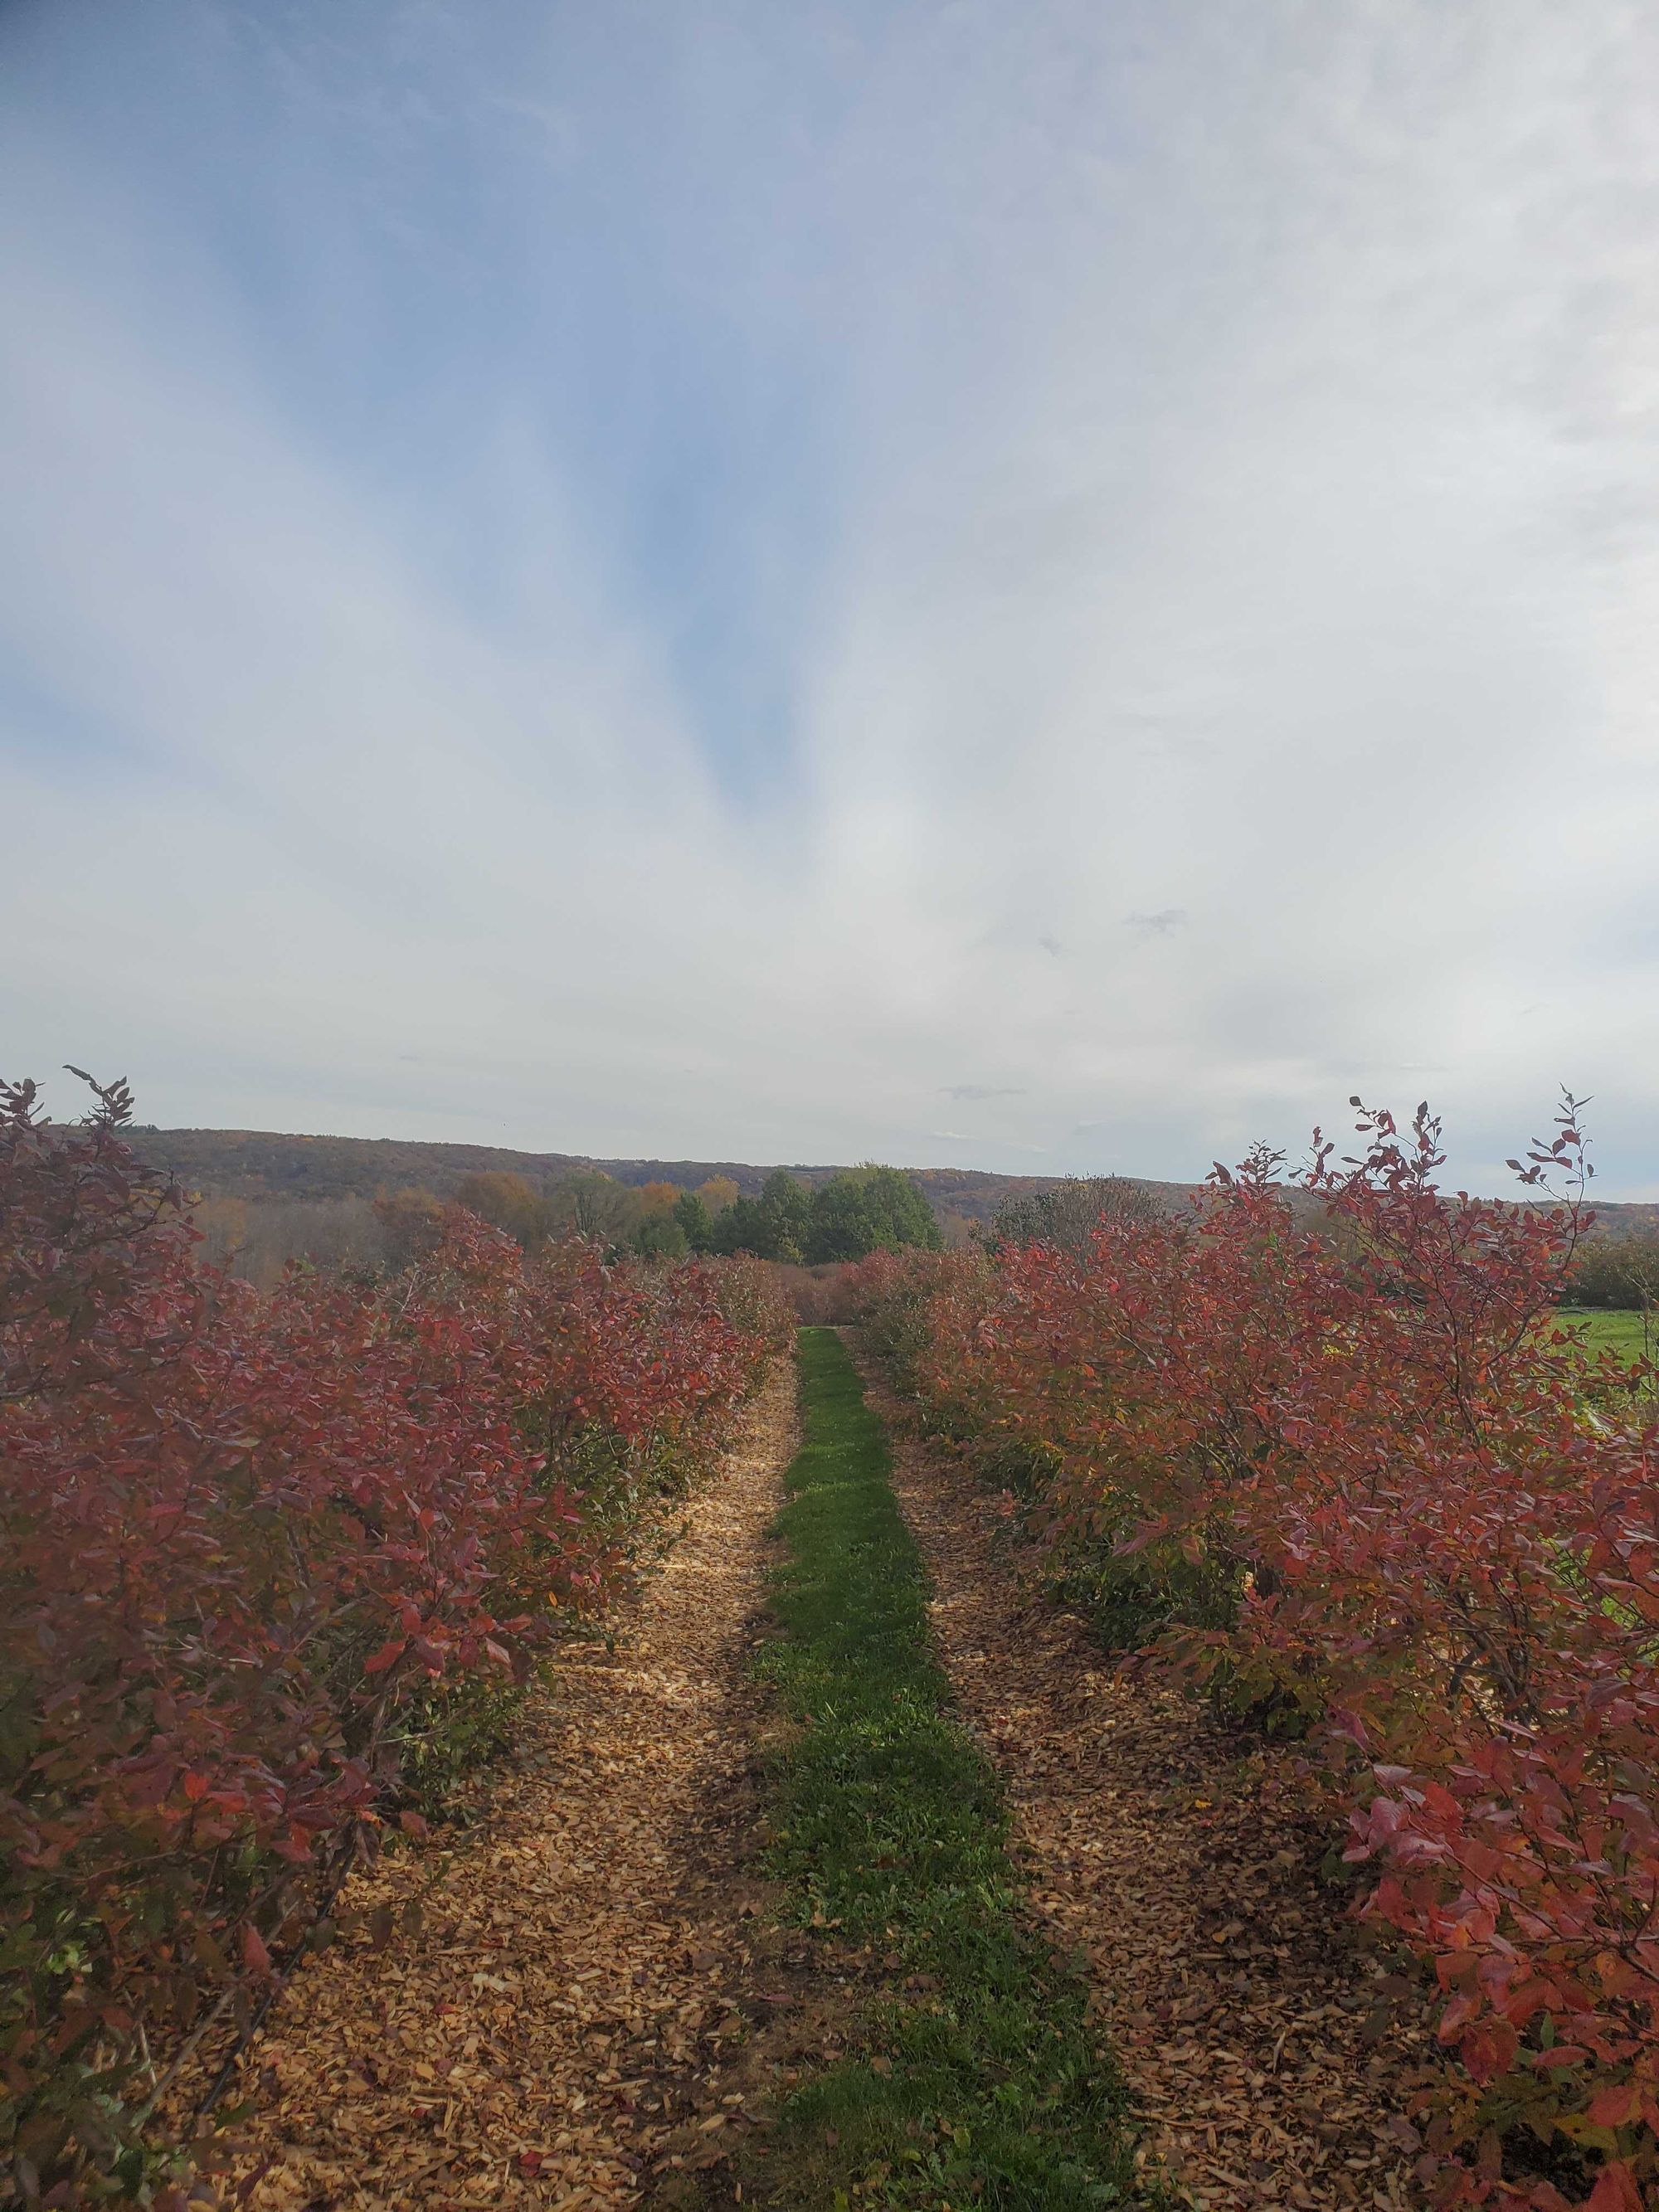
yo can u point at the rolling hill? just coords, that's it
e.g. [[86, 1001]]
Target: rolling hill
[[261, 1166]]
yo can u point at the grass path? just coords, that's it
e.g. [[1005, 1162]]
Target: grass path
[[975, 2079]]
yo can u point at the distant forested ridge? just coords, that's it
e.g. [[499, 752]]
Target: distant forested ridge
[[261, 1199], [262, 1164]]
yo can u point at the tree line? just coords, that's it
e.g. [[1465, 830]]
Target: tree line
[[857, 1212]]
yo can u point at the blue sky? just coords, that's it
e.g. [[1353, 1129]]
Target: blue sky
[[1044, 588]]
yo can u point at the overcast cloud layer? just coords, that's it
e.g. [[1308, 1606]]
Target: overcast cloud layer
[[1042, 587]]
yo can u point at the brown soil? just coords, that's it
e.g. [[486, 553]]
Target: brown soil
[[1271, 2063], [555, 2034]]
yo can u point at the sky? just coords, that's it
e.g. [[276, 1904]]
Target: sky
[[1056, 587]]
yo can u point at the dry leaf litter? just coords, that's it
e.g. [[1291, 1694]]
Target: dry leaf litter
[[1270, 2053], [555, 2034]]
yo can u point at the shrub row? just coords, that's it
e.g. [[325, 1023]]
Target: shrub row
[[1616, 1272], [254, 1551], [1362, 1487]]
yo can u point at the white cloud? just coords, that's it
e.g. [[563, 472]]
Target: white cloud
[[1175, 464]]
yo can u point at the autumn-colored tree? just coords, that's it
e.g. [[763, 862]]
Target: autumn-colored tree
[[222, 1225], [412, 1223], [717, 1193], [593, 1204], [1069, 1212], [658, 1197], [506, 1201]]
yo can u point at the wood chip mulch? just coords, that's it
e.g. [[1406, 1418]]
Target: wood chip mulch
[[1272, 2055], [555, 2035]]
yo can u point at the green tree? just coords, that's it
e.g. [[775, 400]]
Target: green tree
[[787, 1205], [695, 1223], [660, 1237], [746, 1226], [839, 1227], [868, 1209], [899, 1214]]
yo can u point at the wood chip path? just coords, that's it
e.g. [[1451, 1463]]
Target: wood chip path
[[553, 2036], [1270, 2061], [583, 2018]]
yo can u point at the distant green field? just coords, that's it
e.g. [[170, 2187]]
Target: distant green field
[[1609, 1329]]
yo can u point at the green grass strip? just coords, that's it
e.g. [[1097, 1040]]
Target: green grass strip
[[984, 2086]]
